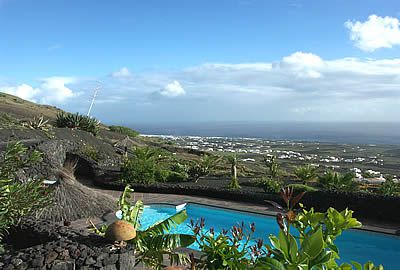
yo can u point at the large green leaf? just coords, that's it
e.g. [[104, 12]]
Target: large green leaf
[[268, 263], [166, 225], [136, 213], [313, 245], [169, 241]]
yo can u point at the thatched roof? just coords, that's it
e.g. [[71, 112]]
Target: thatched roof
[[72, 200], [126, 142]]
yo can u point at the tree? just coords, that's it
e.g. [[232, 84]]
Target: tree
[[306, 173], [232, 160], [272, 165]]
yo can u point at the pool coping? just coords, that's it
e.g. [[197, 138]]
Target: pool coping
[[271, 213]]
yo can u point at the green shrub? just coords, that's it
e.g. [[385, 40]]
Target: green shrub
[[306, 173], [301, 188], [91, 152], [83, 122], [161, 175], [135, 170], [335, 181], [389, 187], [177, 177], [18, 199], [203, 167], [270, 185], [124, 130]]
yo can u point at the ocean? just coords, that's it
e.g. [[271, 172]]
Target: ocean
[[334, 132]]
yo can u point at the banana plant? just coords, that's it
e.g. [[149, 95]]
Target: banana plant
[[154, 242]]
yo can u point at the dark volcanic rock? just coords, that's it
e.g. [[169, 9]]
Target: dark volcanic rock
[[59, 247]]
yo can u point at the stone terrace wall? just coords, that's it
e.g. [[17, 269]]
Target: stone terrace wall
[[41, 245]]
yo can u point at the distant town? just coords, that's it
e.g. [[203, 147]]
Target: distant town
[[369, 163]]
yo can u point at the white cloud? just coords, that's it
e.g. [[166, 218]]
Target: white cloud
[[52, 90], [302, 65], [377, 32], [55, 90], [173, 89], [24, 91], [122, 73]]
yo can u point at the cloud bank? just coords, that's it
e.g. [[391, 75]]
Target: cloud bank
[[300, 86]]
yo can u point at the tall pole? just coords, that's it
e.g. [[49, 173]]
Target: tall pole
[[93, 98]]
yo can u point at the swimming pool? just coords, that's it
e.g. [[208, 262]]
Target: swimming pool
[[354, 245]]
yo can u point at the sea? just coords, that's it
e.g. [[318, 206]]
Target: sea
[[329, 132]]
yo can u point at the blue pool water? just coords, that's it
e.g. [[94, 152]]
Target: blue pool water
[[354, 245]]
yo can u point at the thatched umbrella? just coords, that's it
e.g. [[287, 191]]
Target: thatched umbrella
[[72, 200], [125, 144]]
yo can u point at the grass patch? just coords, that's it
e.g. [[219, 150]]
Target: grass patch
[[124, 130]]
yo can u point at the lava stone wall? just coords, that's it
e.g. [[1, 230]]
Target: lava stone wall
[[42, 245]]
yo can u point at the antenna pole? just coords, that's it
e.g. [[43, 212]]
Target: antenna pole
[[93, 98]]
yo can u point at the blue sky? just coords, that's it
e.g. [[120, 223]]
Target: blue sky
[[203, 60]]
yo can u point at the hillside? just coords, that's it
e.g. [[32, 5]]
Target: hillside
[[19, 108]]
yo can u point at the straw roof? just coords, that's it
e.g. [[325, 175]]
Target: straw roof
[[72, 200], [126, 142]]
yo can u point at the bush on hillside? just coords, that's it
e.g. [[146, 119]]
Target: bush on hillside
[[124, 130], [83, 122], [18, 199]]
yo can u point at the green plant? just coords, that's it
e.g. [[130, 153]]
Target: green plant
[[223, 250], [335, 181], [313, 247], [124, 130], [306, 241], [19, 199], [38, 123], [301, 188], [203, 167], [91, 152], [306, 173], [389, 187], [270, 185], [154, 242], [83, 122], [272, 165], [141, 167], [232, 160]]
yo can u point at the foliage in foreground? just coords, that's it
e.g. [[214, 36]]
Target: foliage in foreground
[[154, 242], [124, 130], [83, 122], [306, 241], [18, 199]]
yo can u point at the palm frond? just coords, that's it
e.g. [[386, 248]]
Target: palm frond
[[167, 224]]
